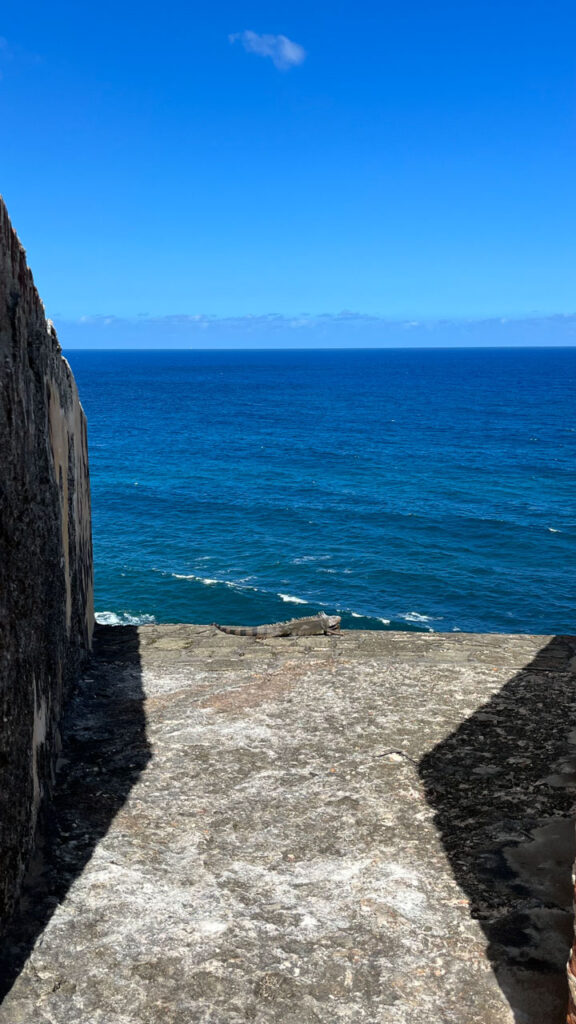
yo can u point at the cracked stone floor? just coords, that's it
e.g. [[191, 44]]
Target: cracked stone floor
[[373, 828]]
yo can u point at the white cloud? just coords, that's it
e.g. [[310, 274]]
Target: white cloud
[[325, 330], [282, 51]]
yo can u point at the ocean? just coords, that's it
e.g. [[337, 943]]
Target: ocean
[[404, 489]]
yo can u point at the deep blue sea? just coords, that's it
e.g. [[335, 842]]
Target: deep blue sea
[[405, 489]]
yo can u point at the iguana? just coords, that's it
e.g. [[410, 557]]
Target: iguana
[[320, 623]]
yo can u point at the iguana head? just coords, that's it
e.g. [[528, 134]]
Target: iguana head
[[330, 622]]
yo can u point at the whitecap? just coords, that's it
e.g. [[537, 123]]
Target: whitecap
[[310, 558], [292, 600], [207, 581], [124, 619], [199, 579], [552, 530], [357, 615], [238, 584], [416, 617]]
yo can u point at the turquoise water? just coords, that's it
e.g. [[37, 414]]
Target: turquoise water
[[406, 489]]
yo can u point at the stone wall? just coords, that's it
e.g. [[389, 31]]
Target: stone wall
[[46, 608], [571, 1018]]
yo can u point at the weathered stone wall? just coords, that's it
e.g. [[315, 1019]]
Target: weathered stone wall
[[571, 1018], [46, 610]]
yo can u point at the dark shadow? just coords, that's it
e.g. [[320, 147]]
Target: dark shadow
[[503, 787], [104, 751]]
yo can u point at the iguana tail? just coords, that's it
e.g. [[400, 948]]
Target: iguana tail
[[248, 630]]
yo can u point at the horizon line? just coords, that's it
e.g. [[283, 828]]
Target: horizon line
[[325, 348]]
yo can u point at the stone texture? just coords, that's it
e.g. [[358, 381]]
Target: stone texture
[[45, 554], [371, 828]]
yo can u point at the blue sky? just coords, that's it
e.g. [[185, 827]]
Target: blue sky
[[256, 164]]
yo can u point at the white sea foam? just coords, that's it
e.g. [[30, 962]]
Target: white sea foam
[[552, 530], [416, 617], [124, 619], [237, 585], [358, 615], [207, 581], [310, 558], [199, 579], [422, 620], [292, 600]]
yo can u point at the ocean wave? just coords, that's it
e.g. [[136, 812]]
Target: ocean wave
[[240, 584], [421, 620], [359, 615], [552, 530], [417, 617], [199, 579], [310, 558], [208, 581], [123, 619]]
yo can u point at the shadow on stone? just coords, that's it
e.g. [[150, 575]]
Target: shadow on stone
[[503, 787], [104, 751]]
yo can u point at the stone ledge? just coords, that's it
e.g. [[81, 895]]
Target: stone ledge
[[366, 828]]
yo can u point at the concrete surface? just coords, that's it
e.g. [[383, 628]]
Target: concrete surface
[[365, 828]]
